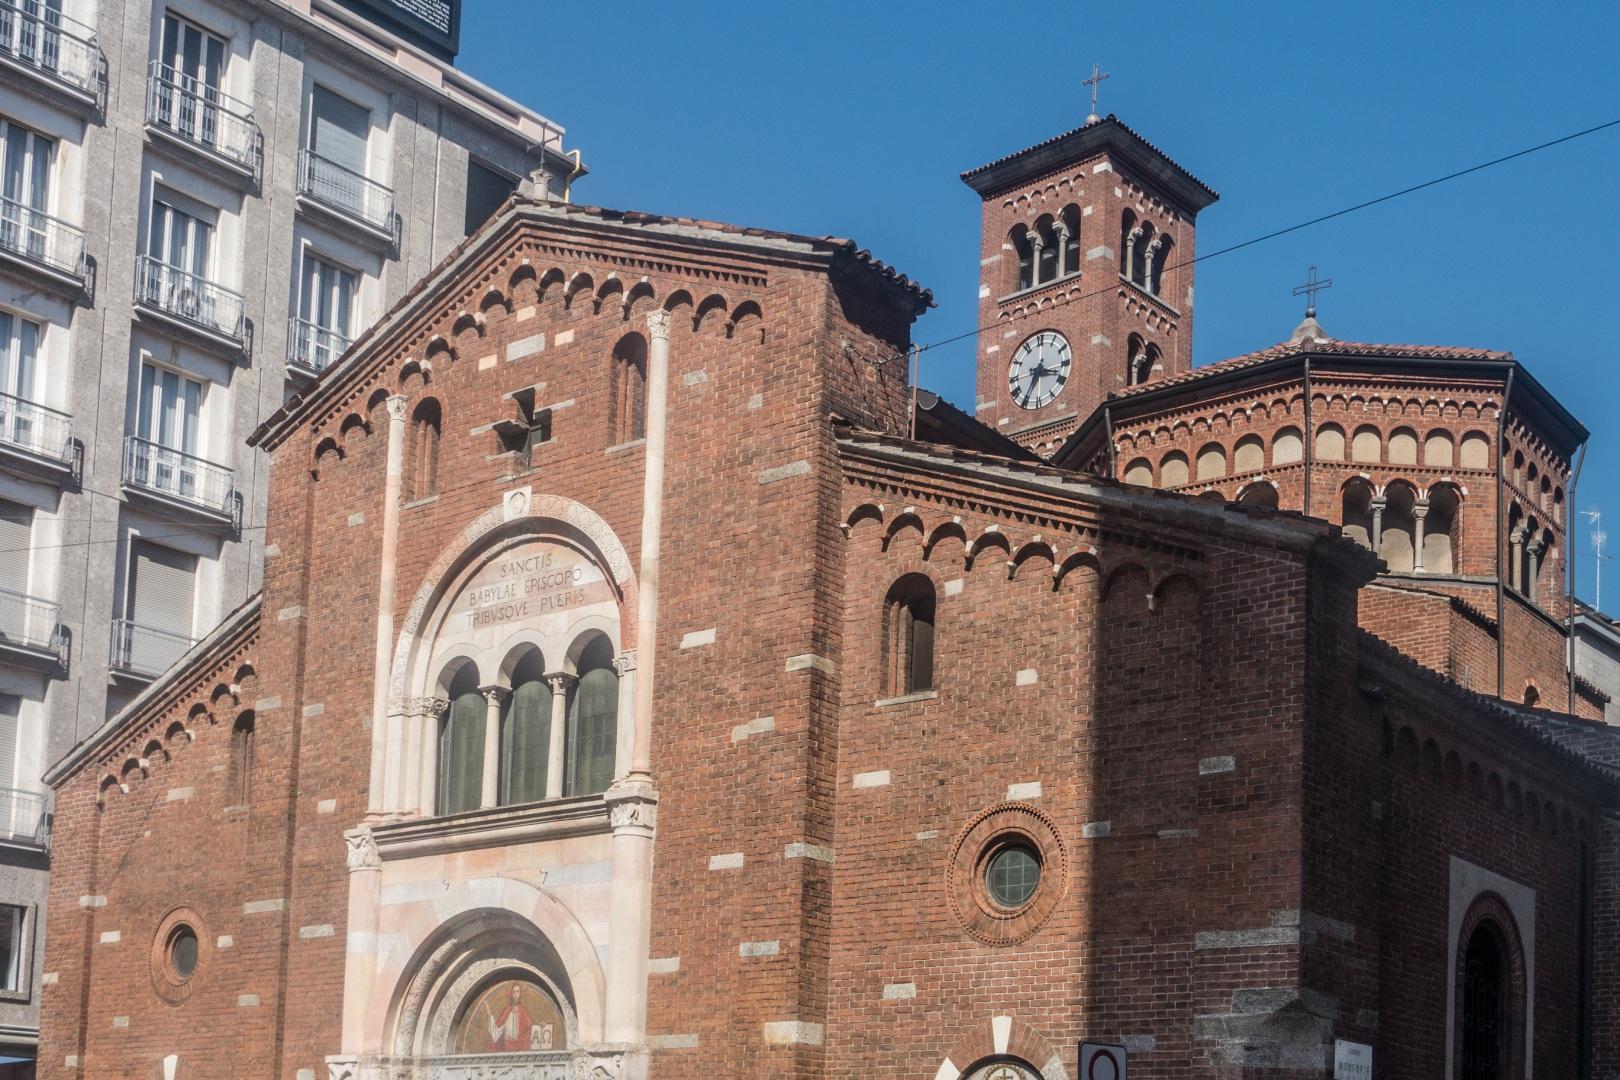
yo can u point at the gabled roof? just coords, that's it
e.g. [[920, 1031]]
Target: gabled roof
[[839, 256], [1284, 358], [938, 421], [1109, 134]]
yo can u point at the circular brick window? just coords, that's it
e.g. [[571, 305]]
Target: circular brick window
[[178, 954], [1006, 874]]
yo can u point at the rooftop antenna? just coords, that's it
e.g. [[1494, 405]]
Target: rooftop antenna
[[1595, 516], [1097, 76]]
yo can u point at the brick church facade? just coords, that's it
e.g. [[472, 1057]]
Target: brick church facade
[[646, 683]]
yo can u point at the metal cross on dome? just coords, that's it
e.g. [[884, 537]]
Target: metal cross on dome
[[1097, 76], [1309, 290]]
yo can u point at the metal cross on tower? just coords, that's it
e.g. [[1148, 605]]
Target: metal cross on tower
[[1097, 76], [1309, 290]]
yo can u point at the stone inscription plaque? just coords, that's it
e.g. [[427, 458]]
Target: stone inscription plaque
[[529, 583]]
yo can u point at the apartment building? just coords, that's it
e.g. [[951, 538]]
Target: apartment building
[[203, 202]]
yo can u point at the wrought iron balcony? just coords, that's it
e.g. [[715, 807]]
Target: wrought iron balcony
[[145, 651], [37, 238], [31, 625], [59, 50], [312, 347], [25, 817], [193, 299], [177, 477], [203, 116], [34, 429], [348, 194]]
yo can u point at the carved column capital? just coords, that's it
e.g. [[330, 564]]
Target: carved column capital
[[658, 324], [396, 407], [560, 681], [625, 663], [342, 1067], [632, 808], [1036, 241], [495, 695], [361, 850]]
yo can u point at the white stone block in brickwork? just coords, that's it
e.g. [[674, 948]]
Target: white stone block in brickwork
[[357, 519], [1102, 167], [92, 901], [120, 1021], [1093, 830], [317, 931], [810, 660], [1213, 766], [984, 292], [928, 834], [759, 948], [259, 907], [487, 362], [1001, 1032], [1027, 677], [326, 806], [877, 778], [272, 550], [1030, 790], [899, 991], [672, 1042], [947, 1071], [953, 586], [293, 612], [1140, 1044], [564, 337], [247, 1001], [49, 978], [808, 851], [757, 726], [783, 472], [306, 1074], [731, 860], [694, 639], [225, 941], [756, 401], [1101, 251], [663, 965], [179, 794], [111, 937], [693, 378], [312, 711], [794, 1032], [525, 347]]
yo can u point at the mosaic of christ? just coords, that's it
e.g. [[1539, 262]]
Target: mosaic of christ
[[510, 1016]]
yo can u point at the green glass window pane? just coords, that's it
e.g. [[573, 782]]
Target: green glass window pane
[[183, 952], [526, 743], [461, 754], [1012, 876], [592, 715]]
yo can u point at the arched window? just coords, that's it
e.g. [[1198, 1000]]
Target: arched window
[[1249, 455], [1475, 452], [593, 713], [1025, 252], [1173, 469], [1440, 539], [1139, 472], [1142, 240], [908, 636], [461, 745], [1486, 1029], [526, 733], [240, 779], [1046, 264], [1367, 446], [629, 389], [425, 422], [1438, 450], [1395, 541], [1160, 259], [1288, 447], [1330, 443], [1136, 361], [1259, 494], [1127, 241], [1356, 518], [1212, 462], [1403, 447], [1069, 235]]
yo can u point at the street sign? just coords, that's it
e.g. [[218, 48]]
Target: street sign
[[1102, 1061], [1351, 1060]]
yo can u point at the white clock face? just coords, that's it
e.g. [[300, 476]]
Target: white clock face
[[1039, 369]]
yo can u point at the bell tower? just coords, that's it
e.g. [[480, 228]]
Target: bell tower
[[1086, 277]]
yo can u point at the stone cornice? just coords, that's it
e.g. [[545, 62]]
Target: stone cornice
[[499, 826]]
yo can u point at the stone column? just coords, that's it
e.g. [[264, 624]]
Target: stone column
[[1377, 504], [624, 665], [1516, 559], [422, 786], [1130, 254], [386, 559], [557, 748], [1035, 246], [360, 956], [1061, 231], [1150, 268], [490, 789], [1532, 569], [1420, 510]]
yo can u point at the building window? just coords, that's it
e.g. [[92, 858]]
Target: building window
[[240, 780], [629, 389], [1485, 997], [10, 716], [181, 952], [169, 412], [181, 236], [461, 745], [158, 609], [425, 450], [593, 713], [19, 356], [16, 538], [189, 74], [13, 921], [25, 171], [487, 189], [1012, 875], [909, 636], [338, 132], [526, 734], [325, 326]]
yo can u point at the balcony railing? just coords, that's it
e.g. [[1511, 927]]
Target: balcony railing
[[40, 238], [57, 48], [311, 346], [155, 468], [203, 116], [25, 817], [30, 623], [347, 192], [190, 297], [145, 650], [35, 429]]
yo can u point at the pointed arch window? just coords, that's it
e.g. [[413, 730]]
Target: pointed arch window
[[240, 780], [461, 745], [593, 710], [526, 733], [908, 637], [425, 425], [629, 389], [1485, 1005]]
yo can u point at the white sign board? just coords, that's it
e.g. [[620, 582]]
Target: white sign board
[[1102, 1061], [1351, 1060]]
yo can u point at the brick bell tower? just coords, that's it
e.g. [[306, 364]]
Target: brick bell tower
[[1086, 280]]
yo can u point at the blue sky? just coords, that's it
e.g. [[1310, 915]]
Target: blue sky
[[855, 120]]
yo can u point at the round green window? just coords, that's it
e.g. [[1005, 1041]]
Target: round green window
[[1012, 875], [183, 952]]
